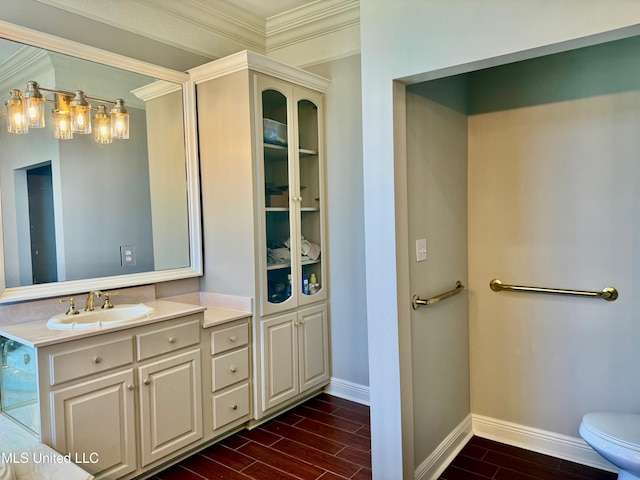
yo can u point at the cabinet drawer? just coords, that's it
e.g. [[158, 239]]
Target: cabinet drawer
[[230, 368], [230, 337], [168, 339], [230, 406], [85, 361]]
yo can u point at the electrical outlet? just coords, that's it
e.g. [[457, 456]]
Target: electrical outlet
[[128, 255], [421, 250]]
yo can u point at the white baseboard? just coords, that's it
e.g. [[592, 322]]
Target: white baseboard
[[438, 461], [541, 441], [348, 390], [549, 443]]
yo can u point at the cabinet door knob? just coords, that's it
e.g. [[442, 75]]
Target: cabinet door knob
[[131, 386], [232, 338], [172, 340], [233, 369], [147, 381], [234, 407], [97, 360]]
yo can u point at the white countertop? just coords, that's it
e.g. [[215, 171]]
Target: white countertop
[[216, 315], [37, 334], [217, 309], [220, 308]]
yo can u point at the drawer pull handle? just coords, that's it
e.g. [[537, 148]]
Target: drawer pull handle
[[131, 386], [172, 340], [146, 381], [232, 338], [233, 369], [234, 407], [97, 360]]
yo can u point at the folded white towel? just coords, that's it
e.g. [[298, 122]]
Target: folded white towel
[[282, 253], [314, 251], [307, 249]]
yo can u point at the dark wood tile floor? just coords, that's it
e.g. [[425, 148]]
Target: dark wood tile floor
[[481, 459], [326, 438]]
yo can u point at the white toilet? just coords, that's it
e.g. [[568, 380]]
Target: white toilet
[[615, 436]]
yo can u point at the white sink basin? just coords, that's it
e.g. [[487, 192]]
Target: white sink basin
[[100, 317]]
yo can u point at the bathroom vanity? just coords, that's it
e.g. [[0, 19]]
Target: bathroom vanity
[[128, 397], [125, 399]]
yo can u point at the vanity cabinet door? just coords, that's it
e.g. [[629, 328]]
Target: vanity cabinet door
[[94, 422], [170, 405], [313, 338], [294, 355], [279, 359]]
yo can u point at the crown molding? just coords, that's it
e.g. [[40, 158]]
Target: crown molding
[[316, 19], [319, 31], [155, 90], [247, 60], [211, 28], [25, 65]]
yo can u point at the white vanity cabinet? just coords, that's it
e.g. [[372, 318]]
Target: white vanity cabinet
[[261, 138], [170, 392], [294, 355], [226, 376], [96, 392]]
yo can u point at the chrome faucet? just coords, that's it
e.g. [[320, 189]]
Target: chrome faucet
[[90, 297]]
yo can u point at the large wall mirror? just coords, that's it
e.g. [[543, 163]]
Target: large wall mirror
[[78, 214]]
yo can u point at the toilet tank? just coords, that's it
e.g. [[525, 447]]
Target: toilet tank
[[19, 383]]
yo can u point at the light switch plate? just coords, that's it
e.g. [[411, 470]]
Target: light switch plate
[[421, 250]]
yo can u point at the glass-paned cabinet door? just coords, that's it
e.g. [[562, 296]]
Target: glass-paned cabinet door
[[310, 172], [278, 274]]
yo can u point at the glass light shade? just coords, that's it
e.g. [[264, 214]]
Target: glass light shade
[[119, 121], [102, 126], [62, 129], [80, 113], [16, 119], [34, 105]]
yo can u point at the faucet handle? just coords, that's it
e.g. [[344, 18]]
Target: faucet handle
[[72, 310], [107, 299]]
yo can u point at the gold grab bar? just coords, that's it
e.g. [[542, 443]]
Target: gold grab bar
[[417, 302], [609, 293]]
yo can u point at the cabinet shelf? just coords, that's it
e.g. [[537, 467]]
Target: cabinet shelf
[[286, 209], [279, 152], [277, 266]]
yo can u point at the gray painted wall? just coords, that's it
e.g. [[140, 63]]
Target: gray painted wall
[[437, 212], [345, 206], [419, 41], [553, 201]]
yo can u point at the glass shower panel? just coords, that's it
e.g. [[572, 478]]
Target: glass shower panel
[[19, 383]]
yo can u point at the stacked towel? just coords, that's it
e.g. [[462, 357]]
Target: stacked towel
[[307, 249], [278, 255]]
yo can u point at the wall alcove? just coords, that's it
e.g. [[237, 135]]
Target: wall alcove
[[528, 172]]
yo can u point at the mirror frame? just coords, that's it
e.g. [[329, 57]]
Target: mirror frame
[[34, 38]]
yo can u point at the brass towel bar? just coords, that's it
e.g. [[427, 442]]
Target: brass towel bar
[[609, 293], [417, 302]]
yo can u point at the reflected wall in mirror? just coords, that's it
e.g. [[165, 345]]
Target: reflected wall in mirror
[[75, 211]]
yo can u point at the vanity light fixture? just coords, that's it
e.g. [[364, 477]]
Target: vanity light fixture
[[71, 114]]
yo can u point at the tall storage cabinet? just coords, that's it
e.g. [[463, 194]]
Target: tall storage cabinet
[[261, 129]]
